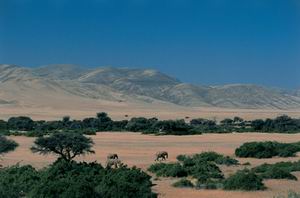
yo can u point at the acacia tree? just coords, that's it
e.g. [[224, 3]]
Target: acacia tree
[[65, 144], [7, 145]]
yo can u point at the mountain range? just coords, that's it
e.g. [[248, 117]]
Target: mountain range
[[24, 86]]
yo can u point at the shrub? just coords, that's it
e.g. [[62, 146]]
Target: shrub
[[168, 170], [16, 181], [280, 170], [244, 180], [181, 158], [227, 161], [72, 179], [210, 184], [289, 166], [7, 145], [183, 183], [267, 149], [204, 171], [125, 182], [209, 157], [277, 173], [34, 133]]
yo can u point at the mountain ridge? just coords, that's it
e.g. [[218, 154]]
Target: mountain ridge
[[129, 85]]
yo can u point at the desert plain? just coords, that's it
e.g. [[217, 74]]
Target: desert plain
[[139, 150]]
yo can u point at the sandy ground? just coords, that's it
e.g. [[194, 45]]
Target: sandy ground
[[118, 111], [139, 150]]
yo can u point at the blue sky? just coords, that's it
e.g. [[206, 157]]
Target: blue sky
[[200, 41]]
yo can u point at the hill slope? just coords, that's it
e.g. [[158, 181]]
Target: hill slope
[[41, 86]]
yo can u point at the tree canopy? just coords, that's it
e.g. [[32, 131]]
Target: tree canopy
[[65, 144], [7, 145]]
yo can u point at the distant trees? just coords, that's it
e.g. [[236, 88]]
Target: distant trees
[[21, 123], [203, 122], [227, 122], [172, 127], [65, 144], [102, 122], [280, 124], [140, 124]]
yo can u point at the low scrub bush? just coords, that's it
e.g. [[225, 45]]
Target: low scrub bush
[[244, 180], [168, 170], [210, 184], [205, 171], [208, 157], [7, 145], [280, 170], [289, 166], [183, 183], [267, 149], [277, 173]]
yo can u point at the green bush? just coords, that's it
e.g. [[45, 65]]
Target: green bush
[[277, 173], [289, 166], [208, 157], [168, 170], [7, 145], [209, 184], [183, 183], [16, 181], [267, 149], [74, 180], [181, 158], [34, 133], [227, 161], [280, 170], [125, 182], [244, 180], [204, 171]]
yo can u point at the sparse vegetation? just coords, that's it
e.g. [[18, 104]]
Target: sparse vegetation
[[202, 167]]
